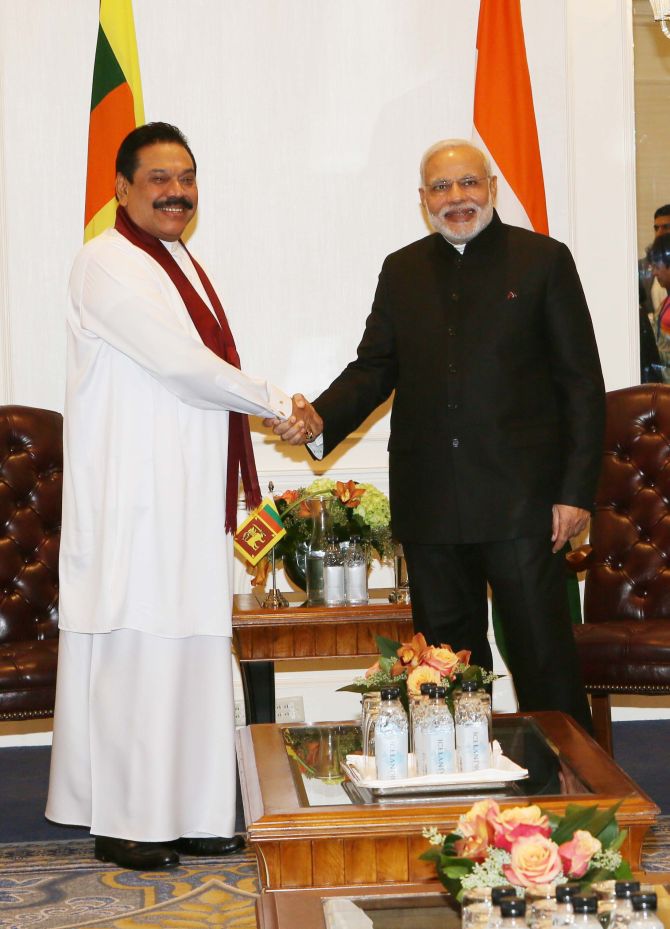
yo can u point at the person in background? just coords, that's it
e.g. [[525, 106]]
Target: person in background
[[658, 254]]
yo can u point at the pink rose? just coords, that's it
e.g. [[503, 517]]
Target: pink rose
[[519, 821], [474, 846], [479, 820], [576, 854], [535, 860]]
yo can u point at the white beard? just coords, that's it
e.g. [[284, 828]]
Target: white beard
[[484, 215]]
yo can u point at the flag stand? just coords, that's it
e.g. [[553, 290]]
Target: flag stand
[[274, 599]]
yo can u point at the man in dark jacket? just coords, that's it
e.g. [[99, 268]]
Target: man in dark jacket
[[483, 331]]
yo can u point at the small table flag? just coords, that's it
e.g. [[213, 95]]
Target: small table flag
[[259, 532]]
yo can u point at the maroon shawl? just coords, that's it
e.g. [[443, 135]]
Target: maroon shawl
[[219, 339]]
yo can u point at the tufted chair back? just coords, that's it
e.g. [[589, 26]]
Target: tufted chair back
[[629, 564], [624, 643], [31, 477]]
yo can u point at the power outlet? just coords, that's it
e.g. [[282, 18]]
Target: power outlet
[[240, 715], [289, 710]]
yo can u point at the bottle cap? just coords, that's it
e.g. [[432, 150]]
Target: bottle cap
[[390, 693], [584, 903], [425, 688], [645, 901], [440, 691], [499, 893], [469, 687], [512, 906], [625, 889], [565, 892]]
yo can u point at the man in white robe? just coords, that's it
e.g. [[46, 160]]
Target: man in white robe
[[143, 749]]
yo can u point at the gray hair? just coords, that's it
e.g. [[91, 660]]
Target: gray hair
[[447, 145]]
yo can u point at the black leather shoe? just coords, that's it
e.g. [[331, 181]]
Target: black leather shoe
[[137, 856], [209, 847]]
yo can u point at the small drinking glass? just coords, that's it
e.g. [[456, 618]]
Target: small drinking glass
[[541, 905], [476, 908]]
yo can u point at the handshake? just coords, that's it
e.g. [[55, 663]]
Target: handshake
[[303, 425]]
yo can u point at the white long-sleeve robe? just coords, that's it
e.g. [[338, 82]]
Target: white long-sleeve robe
[[143, 729]]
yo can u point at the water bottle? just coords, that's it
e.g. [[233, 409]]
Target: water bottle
[[391, 737], [472, 730], [439, 743], [417, 711], [622, 910], [333, 574], [321, 525], [356, 573], [513, 913], [584, 911], [498, 894], [563, 914], [644, 912]]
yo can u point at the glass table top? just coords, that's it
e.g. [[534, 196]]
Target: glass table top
[[316, 752]]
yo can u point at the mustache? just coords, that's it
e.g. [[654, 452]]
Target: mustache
[[186, 202]]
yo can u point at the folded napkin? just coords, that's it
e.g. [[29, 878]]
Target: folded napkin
[[502, 769]]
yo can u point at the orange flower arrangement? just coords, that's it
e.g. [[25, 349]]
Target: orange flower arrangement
[[411, 664]]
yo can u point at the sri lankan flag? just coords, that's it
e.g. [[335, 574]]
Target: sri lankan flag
[[116, 108], [259, 532]]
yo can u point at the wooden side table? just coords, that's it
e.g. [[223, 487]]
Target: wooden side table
[[311, 632]]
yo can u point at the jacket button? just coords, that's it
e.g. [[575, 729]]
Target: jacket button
[[451, 369], [455, 297], [452, 406], [451, 331], [455, 443]]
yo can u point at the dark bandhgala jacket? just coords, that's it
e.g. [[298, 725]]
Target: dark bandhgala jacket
[[499, 399]]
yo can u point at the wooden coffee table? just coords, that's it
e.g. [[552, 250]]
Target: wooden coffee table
[[425, 905], [307, 831]]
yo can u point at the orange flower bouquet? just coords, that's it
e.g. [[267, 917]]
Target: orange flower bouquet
[[355, 510], [526, 846], [408, 665]]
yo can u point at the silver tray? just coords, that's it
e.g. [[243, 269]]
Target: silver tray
[[421, 790]]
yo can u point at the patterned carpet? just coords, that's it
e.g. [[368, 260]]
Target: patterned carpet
[[59, 885]]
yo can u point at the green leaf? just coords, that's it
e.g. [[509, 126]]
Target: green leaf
[[387, 647], [576, 818], [355, 688], [623, 872], [602, 820], [620, 839], [431, 855]]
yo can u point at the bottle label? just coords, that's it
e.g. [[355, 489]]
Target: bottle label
[[439, 751], [356, 579], [391, 753], [333, 584], [472, 739]]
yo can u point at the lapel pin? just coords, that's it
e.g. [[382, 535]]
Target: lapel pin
[[512, 295]]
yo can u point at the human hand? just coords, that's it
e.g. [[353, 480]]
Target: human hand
[[303, 425], [567, 521]]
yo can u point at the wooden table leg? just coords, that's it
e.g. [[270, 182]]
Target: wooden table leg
[[258, 683]]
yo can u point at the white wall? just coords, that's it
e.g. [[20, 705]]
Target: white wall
[[307, 121]]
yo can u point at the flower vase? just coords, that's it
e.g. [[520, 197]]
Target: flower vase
[[295, 565]]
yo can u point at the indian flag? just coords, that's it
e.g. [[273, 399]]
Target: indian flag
[[116, 109], [504, 116]]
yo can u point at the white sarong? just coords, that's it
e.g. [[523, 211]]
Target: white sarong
[[145, 746]]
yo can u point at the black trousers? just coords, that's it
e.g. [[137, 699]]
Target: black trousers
[[449, 605]]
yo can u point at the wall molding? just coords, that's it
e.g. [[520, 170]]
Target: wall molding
[[6, 367]]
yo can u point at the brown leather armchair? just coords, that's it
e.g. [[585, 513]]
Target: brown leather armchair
[[31, 482], [624, 643]]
